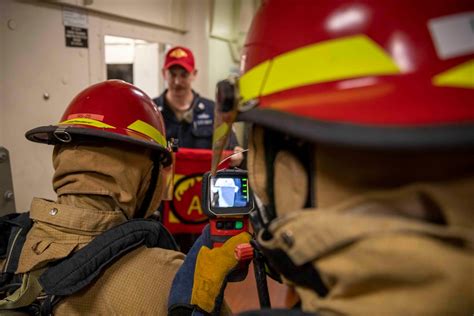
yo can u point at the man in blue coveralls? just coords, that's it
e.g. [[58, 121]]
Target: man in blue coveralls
[[188, 117]]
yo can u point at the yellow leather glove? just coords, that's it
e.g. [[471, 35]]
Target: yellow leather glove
[[199, 284]]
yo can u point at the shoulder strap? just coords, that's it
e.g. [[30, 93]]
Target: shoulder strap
[[16, 291], [79, 270], [13, 231]]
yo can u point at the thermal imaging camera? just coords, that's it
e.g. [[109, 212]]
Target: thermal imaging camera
[[227, 200]]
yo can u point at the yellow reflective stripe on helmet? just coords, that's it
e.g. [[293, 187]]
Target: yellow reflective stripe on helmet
[[220, 132], [148, 130], [250, 85], [346, 58], [331, 60], [460, 76], [86, 121]]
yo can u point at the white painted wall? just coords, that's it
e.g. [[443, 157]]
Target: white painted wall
[[229, 23], [146, 70], [168, 13], [197, 19], [34, 62], [223, 18], [143, 55], [119, 50], [222, 64], [3, 21]]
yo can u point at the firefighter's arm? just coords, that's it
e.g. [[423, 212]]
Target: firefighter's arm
[[199, 284]]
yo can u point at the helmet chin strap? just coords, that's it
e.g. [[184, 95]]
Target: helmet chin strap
[[146, 204], [303, 153]]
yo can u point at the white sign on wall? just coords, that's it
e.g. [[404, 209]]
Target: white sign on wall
[[74, 17]]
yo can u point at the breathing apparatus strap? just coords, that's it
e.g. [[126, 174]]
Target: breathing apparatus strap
[[75, 273], [305, 275]]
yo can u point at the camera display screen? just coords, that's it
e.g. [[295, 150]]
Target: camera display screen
[[229, 192]]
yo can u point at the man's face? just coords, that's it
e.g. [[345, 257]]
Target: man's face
[[179, 80]]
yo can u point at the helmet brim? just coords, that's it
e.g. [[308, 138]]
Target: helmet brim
[[45, 135], [439, 137]]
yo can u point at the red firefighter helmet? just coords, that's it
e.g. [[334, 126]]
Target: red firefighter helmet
[[112, 110], [366, 73]]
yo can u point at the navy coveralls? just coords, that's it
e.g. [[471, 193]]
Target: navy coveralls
[[198, 133]]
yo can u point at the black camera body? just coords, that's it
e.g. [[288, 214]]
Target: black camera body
[[227, 200]]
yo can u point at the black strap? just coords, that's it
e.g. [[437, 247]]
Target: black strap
[[276, 312], [183, 310], [46, 308], [5, 230], [79, 270], [13, 230], [305, 275]]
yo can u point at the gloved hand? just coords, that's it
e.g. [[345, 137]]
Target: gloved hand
[[198, 287]]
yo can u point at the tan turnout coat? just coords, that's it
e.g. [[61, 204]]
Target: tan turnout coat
[[136, 284]]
